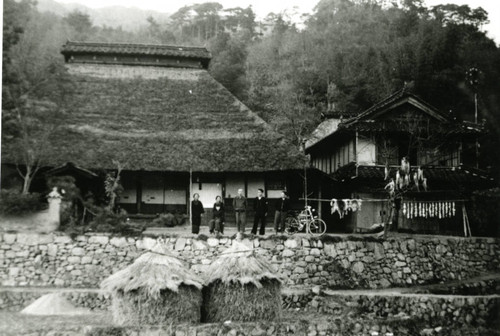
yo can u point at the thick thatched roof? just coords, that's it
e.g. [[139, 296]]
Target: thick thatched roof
[[152, 272], [239, 264], [159, 119]]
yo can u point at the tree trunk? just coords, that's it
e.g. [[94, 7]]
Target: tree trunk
[[27, 181], [388, 220]]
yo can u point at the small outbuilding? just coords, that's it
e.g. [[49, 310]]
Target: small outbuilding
[[156, 289], [241, 286]]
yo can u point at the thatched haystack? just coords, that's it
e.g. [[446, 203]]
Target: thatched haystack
[[241, 286], [156, 289]]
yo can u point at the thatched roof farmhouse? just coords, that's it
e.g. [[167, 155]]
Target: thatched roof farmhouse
[[157, 111]]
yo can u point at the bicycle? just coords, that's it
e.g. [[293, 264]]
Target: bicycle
[[305, 219]]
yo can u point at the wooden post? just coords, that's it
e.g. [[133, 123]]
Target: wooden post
[[138, 194], [463, 220], [320, 208], [189, 193], [387, 225]]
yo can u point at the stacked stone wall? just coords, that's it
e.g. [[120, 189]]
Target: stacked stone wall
[[30, 259]]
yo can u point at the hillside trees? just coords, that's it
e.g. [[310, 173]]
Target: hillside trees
[[347, 56], [352, 54], [33, 90]]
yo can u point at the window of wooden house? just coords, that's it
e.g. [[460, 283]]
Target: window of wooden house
[[233, 183], [387, 150], [275, 185]]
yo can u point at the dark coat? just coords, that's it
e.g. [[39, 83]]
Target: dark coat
[[283, 204], [240, 203], [260, 206], [196, 208], [221, 213]]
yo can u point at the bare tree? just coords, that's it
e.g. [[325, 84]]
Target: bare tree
[[32, 115], [112, 185]]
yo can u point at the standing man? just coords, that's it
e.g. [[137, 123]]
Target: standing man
[[240, 208], [282, 207], [260, 208], [196, 211]]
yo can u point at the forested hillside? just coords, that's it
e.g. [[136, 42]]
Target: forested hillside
[[346, 56]]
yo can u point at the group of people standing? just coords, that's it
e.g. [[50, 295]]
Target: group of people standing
[[260, 207]]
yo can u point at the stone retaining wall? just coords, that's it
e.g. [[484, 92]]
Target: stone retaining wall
[[351, 315], [29, 259]]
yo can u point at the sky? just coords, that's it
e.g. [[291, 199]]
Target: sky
[[263, 7]]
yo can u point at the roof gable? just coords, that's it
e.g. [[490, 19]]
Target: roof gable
[[399, 107], [395, 102]]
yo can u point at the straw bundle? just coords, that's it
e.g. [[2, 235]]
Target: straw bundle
[[241, 287], [156, 289]]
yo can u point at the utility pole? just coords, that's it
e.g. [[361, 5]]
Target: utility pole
[[472, 76], [475, 121], [306, 163]]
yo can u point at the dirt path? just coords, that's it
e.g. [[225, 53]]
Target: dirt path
[[397, 291]]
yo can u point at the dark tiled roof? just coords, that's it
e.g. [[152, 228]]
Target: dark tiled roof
[[338, 115], [368, 121], [438, 178], [184, 120], [392, 99], [391, 127], [70, 167], [135, 49]]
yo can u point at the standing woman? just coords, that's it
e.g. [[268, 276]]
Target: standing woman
[[196, 211], [217, 223]]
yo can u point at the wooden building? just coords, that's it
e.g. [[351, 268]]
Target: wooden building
[[174, 129], [356, 150]]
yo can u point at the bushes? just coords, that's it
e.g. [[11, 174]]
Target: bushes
[[114, 222], [168, 220], [104, 220], [15, 203], [485, 213]]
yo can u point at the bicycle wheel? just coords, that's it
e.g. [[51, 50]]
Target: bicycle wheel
[[291, 225], [317, 227]]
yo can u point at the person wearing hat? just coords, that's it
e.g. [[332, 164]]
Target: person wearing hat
[[282, 207]]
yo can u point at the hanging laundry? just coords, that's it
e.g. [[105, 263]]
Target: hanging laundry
[[347, 205], [355, 205], [405, 166], [334, 205], [407, 180], [420, 174], [391, 187], [399, 180], [341, 208]]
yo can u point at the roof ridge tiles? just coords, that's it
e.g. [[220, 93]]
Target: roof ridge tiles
[[135, 44]]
